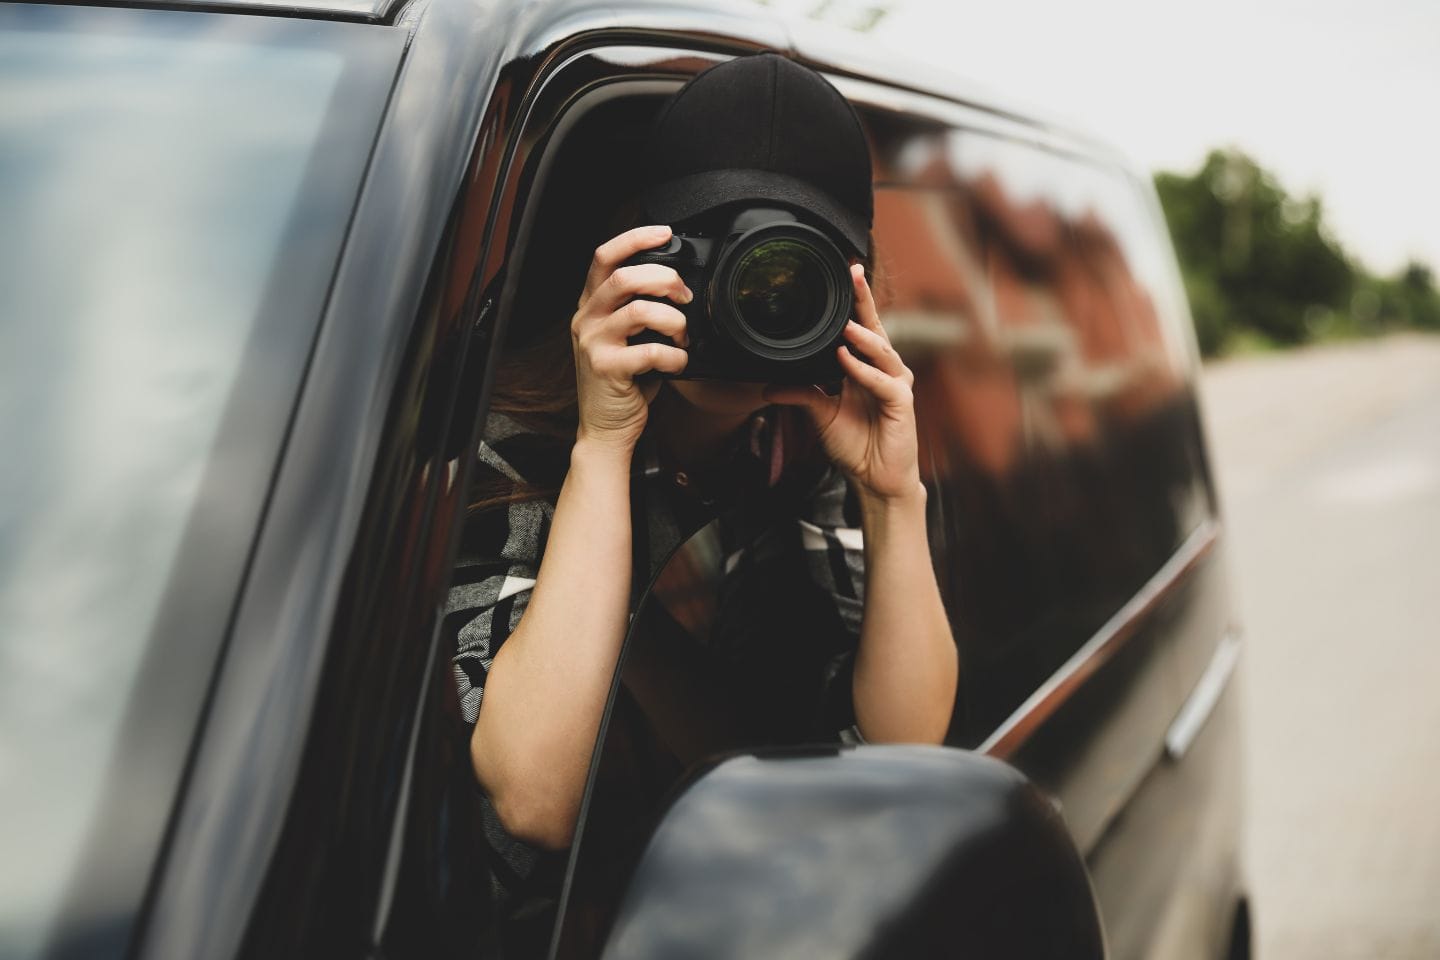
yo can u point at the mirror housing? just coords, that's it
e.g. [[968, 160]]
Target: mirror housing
[[866, 852]]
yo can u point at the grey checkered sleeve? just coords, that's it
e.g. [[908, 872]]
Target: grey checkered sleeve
[[835, 547], [499, 560]]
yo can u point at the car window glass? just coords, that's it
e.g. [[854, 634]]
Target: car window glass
[[1033, 294], [155, 201]]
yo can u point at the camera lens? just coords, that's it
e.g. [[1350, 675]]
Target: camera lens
[[778, 296], [781, 289]]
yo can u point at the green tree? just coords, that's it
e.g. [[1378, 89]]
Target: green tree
[[1253, 256], [1420, 299]]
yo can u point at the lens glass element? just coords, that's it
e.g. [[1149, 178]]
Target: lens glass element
[[780, 289]]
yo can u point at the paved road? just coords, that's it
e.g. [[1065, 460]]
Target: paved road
[[1329, 465]]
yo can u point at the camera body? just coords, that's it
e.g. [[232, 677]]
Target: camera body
[[772, 296]]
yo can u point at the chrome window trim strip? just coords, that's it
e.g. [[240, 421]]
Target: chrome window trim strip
[[1110, 638]]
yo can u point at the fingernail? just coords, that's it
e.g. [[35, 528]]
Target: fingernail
[[689, 295]]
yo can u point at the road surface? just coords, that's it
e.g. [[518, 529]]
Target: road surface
[[1329, 467]]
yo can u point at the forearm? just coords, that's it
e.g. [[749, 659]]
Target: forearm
[[547, 687], [906, 668]]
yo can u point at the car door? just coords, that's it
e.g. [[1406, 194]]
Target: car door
[[1031, 287]]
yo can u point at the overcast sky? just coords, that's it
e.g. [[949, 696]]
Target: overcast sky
[[1336, 97]]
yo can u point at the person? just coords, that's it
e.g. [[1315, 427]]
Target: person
[[542, 595]]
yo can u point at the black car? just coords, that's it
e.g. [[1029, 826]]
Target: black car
[[259, 263]]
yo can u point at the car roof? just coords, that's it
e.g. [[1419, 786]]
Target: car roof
[[376, 11]]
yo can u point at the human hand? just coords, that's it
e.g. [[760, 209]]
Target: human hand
[[868, 430], [613, 407]]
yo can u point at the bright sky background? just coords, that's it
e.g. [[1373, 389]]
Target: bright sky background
[[1336, 97]]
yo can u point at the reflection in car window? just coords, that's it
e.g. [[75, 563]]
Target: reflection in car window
[[152, 183], [1033, 295]]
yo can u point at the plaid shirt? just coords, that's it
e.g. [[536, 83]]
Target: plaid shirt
[[501, 549], [788, 532]]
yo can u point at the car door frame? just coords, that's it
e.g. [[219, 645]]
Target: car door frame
[[281, 839]]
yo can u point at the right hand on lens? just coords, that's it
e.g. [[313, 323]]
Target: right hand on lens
[[613, 406]]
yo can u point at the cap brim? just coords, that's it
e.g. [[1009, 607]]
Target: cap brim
[[697, 193]]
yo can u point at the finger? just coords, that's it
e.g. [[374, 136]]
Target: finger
[[865, 310], [618, 249], [638, 315], [648, 279], [876, 348], [888, 389], [638, 358]]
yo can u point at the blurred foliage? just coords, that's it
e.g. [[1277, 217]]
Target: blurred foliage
[[1261, 268]]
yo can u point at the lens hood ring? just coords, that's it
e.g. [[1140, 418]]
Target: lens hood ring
[[812, 335]]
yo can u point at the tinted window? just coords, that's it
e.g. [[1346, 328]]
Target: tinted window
[[166, 246], [1033, 295]]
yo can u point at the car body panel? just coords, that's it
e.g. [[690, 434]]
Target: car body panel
[[344, 542], [188, 218]]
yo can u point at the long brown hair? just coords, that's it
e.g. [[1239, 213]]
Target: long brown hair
[[535, 387]]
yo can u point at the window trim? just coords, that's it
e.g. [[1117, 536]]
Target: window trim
[[1124, 624]]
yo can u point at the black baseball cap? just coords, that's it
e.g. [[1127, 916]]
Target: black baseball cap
[[761, 128]]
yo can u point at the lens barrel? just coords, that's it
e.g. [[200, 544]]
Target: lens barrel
[[782, 291]]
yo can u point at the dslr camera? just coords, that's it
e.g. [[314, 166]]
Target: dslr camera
[[772, 296]]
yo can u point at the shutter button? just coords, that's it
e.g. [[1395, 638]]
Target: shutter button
[[681, 480]]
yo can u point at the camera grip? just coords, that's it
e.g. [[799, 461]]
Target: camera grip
[[665, 254]]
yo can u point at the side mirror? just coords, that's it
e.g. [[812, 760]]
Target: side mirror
[[870, 852]]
